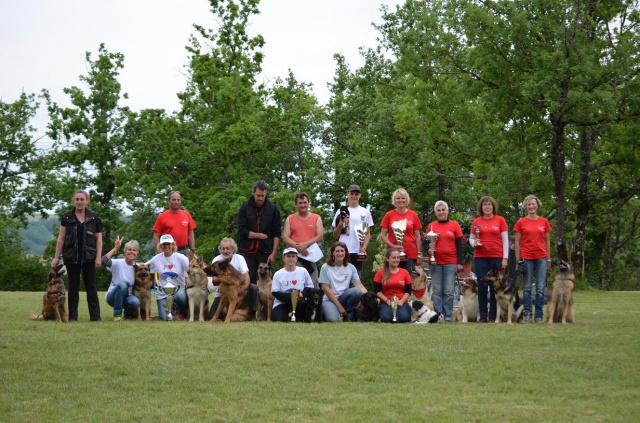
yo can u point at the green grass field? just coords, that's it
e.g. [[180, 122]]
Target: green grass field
[[361, 372]]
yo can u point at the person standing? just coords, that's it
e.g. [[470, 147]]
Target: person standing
[[393, 281], [491, 248], [248, 291], [336, 277], [303, 231], [290, 278], [176, 222], [449, 258], [259, 230], [171, 267], [533, 249], [119, 295], [345, 229], [80, 243], [411, 245]]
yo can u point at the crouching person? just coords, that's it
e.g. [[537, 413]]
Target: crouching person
[[119, 294], [286, 280]]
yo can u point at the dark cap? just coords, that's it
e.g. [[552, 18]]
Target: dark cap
[[354, 188]]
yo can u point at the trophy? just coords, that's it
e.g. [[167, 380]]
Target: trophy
[[394, 307], [478, 243], [294, 303], [432, 237], [169, 290], [399, 228], [361, 233]]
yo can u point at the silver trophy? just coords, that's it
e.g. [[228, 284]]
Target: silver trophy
[[399, 229], [170, 291], [294, 303], [432, 237], [361, 233]]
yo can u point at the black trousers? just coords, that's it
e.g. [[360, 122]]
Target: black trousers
[[253, 261], [88, 271]]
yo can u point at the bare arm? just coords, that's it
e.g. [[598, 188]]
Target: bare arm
[[156, 241], [286, 234], [518, 239], [192, 240], [59, 244], [98, 260]]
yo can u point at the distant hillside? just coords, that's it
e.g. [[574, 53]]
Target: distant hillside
[[38, 234]]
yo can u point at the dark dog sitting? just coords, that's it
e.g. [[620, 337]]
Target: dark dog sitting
[[367, 310], [313, 308], [344, 213]]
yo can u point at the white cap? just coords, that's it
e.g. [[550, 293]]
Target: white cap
[[166, 239], [289, 250]]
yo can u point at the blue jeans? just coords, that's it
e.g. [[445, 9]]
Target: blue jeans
[[482, 267], [539, 267], [179, 299], [443, 277], [349, 301], [403, 314], [119, 298]]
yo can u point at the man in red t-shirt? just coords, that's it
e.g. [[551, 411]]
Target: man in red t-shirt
[[176, 222]]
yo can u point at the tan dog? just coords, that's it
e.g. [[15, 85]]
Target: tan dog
[[53, 307], [197, 289], [468, 310], [142, 289], [230, 281], [560, 308], [264, 285], [419, 290]]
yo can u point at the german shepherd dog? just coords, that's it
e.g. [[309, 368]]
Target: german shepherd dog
[[367, 310], [197, 289], [264, 286], [53, 307], [142, 289], [560, 308], [230, 281], [508, 307], [313, 306], [468, 310], [419, 290]]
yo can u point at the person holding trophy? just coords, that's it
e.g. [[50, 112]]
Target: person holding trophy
[[392, 285], [336, 277], [533, 248], [490, 239], [446, 247], [400, 228], [171, 267], [354, 228], [287, 287]]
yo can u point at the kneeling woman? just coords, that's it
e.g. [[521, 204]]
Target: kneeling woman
[[336, 276], [393, 281], [286, 280], [119, 293], [171, 267]]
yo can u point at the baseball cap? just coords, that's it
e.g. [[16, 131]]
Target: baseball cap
[[289, 250], [166, 239], [354, 188]]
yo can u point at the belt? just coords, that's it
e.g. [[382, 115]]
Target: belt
[[183, 247]]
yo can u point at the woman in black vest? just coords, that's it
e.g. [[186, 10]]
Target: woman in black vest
[[80, 243]]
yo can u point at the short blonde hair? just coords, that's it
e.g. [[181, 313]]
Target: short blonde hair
[[400, 191], [80, 191], [529, 198]]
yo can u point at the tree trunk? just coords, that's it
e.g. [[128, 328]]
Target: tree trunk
[[558, 169]]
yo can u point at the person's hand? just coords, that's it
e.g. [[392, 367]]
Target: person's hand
[[419, 260], [459, 268], [505, 262], [54, 262], [118, 242], [341, 310], [345, 221], [98, 262], [272, 258]]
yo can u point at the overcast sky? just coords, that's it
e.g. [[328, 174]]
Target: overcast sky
[[43, 42]]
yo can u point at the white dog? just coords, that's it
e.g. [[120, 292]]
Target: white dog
[[420, 313]]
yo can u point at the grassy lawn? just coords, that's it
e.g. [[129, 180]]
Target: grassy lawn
[[179, 371]]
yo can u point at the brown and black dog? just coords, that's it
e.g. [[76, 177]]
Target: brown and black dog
[[230, 281], [508, 307], [53, 307], [419, 289], [468, 310], [142, 289], [560, 308], [264, 286], [197, 289]]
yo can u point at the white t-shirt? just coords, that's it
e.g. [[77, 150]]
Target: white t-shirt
[[357, 215], [285, 281], [122, 272], [170, 269], [339, 278], [237, 261]]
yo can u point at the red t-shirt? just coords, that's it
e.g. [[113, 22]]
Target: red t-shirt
[[395, 284], [490, 236], [177, 225], [446, 252], [413, 224], [533, 243]]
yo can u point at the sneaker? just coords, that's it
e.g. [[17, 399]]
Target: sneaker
[[117, 318], [539, 320], [527, 317]]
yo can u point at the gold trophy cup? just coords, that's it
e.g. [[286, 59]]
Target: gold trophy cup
[[361, 233], [294, 303], [170, 290], [394, 307], [432, 237], [399, 229], [478, 243]]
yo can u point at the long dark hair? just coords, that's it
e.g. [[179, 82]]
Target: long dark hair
[[386, 274], [331, 260]]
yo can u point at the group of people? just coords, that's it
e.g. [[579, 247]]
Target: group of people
[[340, 277]]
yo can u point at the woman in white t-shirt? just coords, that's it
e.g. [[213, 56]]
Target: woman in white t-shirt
[[336, 277], [171, 267], [285, 281], [119, 293]]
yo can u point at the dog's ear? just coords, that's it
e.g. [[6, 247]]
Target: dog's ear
[[209, 271]]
